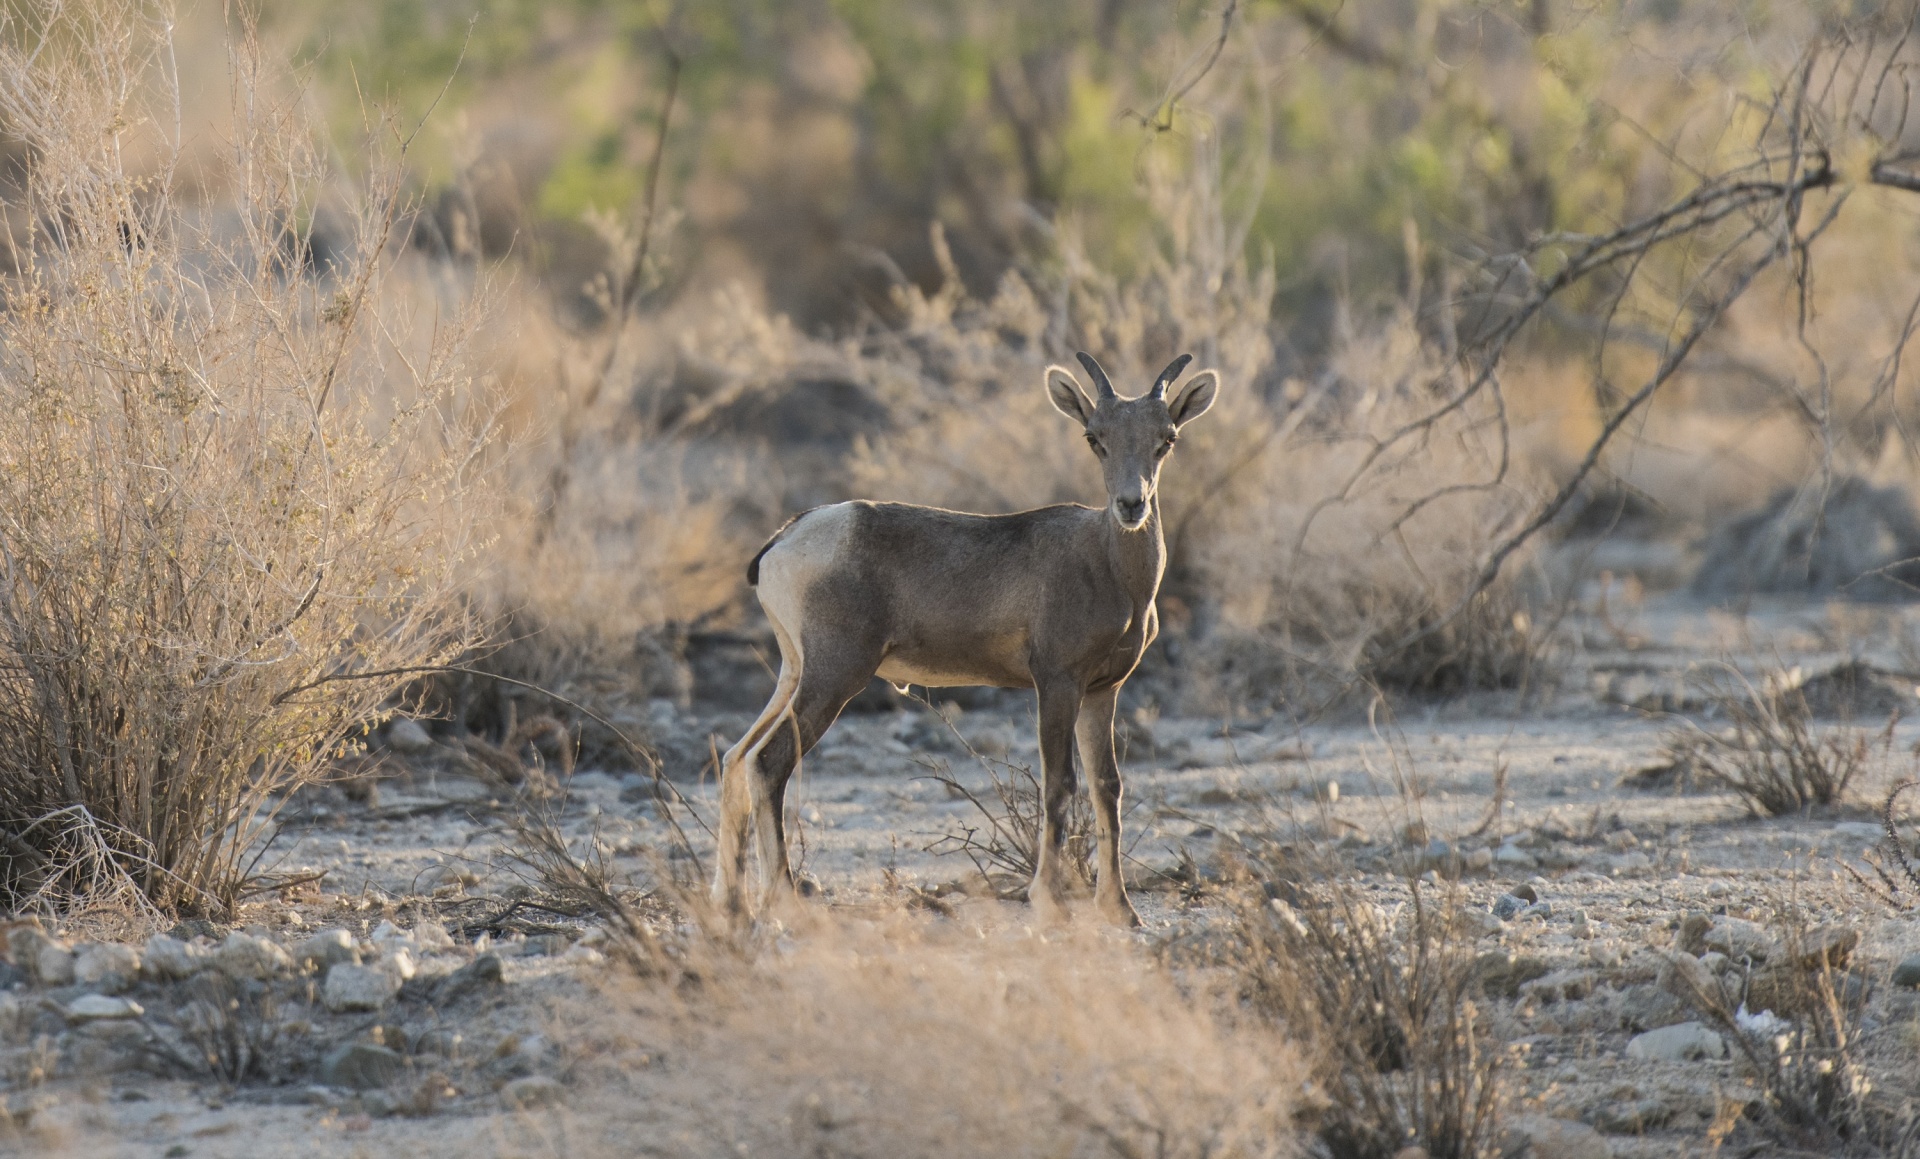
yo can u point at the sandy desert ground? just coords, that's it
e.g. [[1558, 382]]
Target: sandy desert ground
[[564, 1054]]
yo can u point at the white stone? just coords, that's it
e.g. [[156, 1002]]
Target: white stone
[[407, 736], [326, 949], [169, 959], [399, 962], [358, 988], [247, 957], [1681, 1042], [100, 1007], [54, 964], [432, 937], [106, 966], [1738, 938], [1559, 1139]]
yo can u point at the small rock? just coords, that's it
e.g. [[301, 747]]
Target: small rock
[[106, 966], [1681, 1042], [360, 1066], [1538, 911], [1740, 939], [1545, 1138], [1692, 938], [1506, 907], [1629, 864], [1716, 962], [1635, 1117], [405, 735], [1688, 979], [399, 962], [1480, 860], [101, 1007], [327, 949], [1502, 972], [1824, 946], [1582, 927], [1568, 985], [584, 956], [1907, 973], [1647, 1007], [244, 957], [534, 1091], [1475, 923], [168, 959], [1526, 892], [1511, 854], [545, 946], [478, 974], [358, 988], [432, 937], [53, 966]]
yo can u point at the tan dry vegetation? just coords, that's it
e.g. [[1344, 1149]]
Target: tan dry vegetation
[[903, 1036], [230, 487]]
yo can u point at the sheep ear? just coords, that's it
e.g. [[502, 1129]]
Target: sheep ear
[[1194, 398], [1064, 390]]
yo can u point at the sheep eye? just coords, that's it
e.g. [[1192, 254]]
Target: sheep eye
[[1095, 444]]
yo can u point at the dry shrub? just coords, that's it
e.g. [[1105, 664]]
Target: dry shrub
[[903, 1037], [1005, 845], [1832, 535], [1799, 1023], [233, 482], [226, 1030], [1772, 754], [1383, 1003]]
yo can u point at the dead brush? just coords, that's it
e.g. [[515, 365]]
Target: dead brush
[[1383, 1004], [1005, 845], [1771, 753], [238, 496], [1799, 1023], [228, 1031]]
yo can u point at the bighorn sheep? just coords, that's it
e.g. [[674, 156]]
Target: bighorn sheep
[[1058, 599]]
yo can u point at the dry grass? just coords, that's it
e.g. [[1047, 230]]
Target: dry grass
[[231, 484], [902, 1036], [1799, 1022], [1383, 1001], [1772, 753]]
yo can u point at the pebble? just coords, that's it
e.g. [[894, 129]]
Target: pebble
[[1480, 860], [106, 967], [1545, 1138], [526, 1094], [1502, 972], [1635, 1117], [408, 736], [168, 959], [358, 988], [1582, 927], [360, 1066], [1907, 973], [247, 958], [1681, 1042], [102, 1007], [478, 974], [53, 964], [1738, 938], [1514, 855], [1506, 907], [327, 949]]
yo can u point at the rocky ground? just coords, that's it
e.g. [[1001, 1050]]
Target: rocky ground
[[398, 1002]]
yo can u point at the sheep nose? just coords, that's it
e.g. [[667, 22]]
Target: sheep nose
[[1130, 510]]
